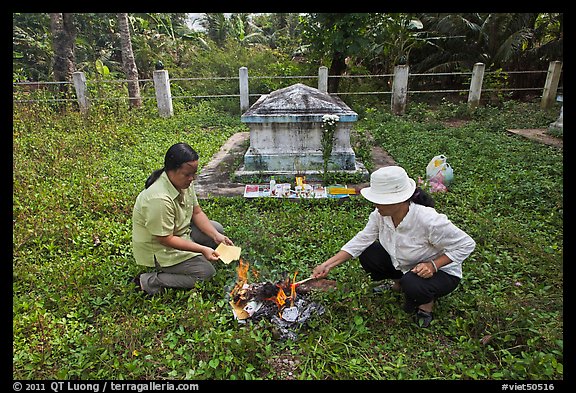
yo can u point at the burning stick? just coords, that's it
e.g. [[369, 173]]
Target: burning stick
[[293, 287], [303, 281]]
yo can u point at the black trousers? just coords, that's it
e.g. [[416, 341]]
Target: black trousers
[[417, 290]]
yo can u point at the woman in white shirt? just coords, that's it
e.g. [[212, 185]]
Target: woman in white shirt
[[408, 241]]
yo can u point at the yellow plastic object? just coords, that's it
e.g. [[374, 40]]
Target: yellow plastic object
[[341, 190]]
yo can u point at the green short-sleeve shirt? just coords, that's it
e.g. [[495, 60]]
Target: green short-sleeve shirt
[[162, 210]]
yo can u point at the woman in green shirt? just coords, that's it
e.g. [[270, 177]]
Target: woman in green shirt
[[170, 231]]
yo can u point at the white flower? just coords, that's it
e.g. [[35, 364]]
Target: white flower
[[330, 120]]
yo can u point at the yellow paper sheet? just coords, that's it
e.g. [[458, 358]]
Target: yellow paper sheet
[[228, 253], [238, 311]]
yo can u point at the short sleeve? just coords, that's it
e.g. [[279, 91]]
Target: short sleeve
[[159, 215]]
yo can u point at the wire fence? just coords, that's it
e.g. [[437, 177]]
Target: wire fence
[[419, 83]]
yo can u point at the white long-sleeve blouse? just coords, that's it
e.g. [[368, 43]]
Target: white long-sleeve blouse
[[423, 235]]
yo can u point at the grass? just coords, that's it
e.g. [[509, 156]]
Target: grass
[[75, 179]]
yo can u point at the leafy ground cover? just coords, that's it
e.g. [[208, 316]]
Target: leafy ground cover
[[75, 179]]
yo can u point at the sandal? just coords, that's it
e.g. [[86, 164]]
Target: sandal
[[423, 318]]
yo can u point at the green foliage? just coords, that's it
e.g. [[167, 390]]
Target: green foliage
[[75, 316]]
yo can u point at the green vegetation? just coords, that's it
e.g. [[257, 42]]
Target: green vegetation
[[75, 316]]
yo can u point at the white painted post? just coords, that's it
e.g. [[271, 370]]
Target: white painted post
[[244, 97], [323, 79], [400, 89], [559, 123], [476, 85], [81, 90], [163, 94], [551, 84]]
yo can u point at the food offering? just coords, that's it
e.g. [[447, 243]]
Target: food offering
[[300, 190], [285, 190]]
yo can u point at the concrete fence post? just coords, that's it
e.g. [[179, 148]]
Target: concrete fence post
[[323, 79], [81, 90], [400, 89], [163, 94], [476, 85], [244, 97], [551, 84]]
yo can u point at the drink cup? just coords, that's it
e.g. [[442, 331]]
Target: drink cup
[[279, 190]]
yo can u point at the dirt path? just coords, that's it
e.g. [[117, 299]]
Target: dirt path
[[540, 135], [215, 178]]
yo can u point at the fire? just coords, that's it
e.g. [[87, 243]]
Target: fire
[[242, 271], [241, 291], [280, 298], [274, 300], [255, 273]]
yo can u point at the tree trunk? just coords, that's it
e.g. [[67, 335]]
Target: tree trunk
[[337, 67], [63, 37], [128, 61]]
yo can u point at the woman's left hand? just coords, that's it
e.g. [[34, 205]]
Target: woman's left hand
[[424, 269], [220, 238]]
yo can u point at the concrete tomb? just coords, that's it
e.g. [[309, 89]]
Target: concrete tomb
[[286, 133]]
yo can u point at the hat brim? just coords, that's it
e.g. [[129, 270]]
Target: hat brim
[[390, 198]]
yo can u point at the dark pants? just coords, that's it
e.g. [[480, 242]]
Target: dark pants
[[417, 290], [184, 274]]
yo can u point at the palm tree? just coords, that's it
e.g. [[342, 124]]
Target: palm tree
[[461, 40], [128, 61], [63, 37], [31, 46], [216, 26], [502, 41]]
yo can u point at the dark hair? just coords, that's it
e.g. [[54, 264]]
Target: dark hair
[[421, 197], [176, 155]]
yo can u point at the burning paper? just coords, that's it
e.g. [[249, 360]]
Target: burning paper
[[290, 314], [252, 306], [239, 312], [278, 302]]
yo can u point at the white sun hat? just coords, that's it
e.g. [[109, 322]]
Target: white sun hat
[[389, 185]]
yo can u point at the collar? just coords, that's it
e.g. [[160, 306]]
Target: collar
[[405, 220], [172, 191]]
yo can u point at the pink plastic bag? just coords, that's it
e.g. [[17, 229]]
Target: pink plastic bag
[[439, 174]]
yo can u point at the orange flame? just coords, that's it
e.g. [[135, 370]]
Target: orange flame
[[293, 290], [242, 271], [254, 273], [280, 298]]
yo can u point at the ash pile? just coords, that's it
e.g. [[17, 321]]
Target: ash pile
[[286, 303]]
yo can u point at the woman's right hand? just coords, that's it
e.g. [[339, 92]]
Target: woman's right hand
[[210, 254], [324, 268], [321, 270]]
